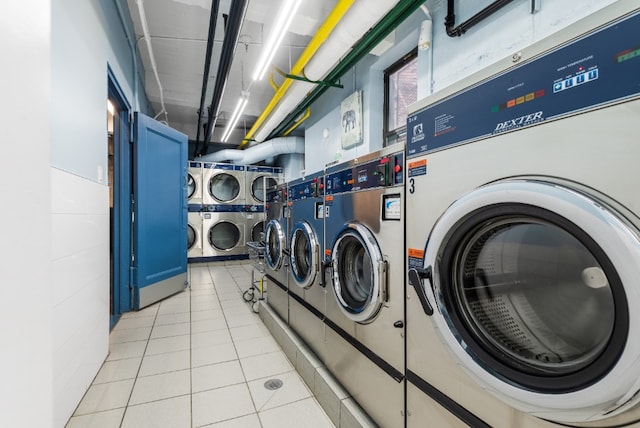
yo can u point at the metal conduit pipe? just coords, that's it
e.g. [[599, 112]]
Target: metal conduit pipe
[[134, 57], [152, 58], [232, 33], [450, 19], [374, 36], [318, 39], [215, 5]]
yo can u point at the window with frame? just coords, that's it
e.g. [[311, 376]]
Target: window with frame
[[400, 90]]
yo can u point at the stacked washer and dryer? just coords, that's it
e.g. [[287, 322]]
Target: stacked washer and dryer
[[226, 208], [523, 237], [224, 221], [195, 211]]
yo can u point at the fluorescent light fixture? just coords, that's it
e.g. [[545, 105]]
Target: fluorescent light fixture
[[110, 108], [242, 103], [287, 12]]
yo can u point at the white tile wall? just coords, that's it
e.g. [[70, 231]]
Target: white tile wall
[[80, 286]]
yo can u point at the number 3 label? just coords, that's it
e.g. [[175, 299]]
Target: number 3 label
[[412, 185]]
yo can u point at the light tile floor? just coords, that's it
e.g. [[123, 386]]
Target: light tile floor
[[200, 358]]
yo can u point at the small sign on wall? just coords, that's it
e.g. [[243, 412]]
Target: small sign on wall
[[351, 114]]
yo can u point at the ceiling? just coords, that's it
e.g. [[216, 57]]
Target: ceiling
[[178, 32]]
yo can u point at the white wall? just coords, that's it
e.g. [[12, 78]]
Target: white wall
[[25, 292], [87, 36], [500, 35]]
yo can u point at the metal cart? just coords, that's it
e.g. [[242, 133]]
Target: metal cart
[[256, 291]]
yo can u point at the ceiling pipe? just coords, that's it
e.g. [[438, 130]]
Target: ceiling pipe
[[152, 58], [450, 19], [257, 153], [335, 16], [213, 18], [231, 35], [363, 47]]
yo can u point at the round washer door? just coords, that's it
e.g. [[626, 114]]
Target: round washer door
[[533, 282], [359, 273], [191, 236], [305, 254], [275, 242], [224, 235], [224, 187], [257, 232], [259, 185], [191, 186]]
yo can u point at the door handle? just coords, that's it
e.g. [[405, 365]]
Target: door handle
[[415, 280]]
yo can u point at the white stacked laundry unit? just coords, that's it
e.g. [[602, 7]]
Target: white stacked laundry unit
[[224, 220]]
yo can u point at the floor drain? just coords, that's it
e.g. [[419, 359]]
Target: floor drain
[[273, 384]]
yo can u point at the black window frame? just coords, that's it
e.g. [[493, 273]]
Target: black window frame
[[407, 58]]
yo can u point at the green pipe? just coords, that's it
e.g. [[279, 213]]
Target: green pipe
[[375, 35]]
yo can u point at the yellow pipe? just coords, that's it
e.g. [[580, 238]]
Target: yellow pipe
[[297, 123], [318, 39], [272, 82]]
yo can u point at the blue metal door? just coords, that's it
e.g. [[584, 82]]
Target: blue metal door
[[160, 211]]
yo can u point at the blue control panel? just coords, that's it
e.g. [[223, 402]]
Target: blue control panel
[[313, 188], [195, 164], [382, 172], [224, 166], [600, 68], [264, 169]]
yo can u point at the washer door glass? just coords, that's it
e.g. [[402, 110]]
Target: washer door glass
[[224, 235], [359, 273], [224, 187], [257, 232], [527, 291], [305, 253], [275, 244], [191, 237], [191, 186], [534, 295], [259, 185]]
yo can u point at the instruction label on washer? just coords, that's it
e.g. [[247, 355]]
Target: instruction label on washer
[[392, 207], [418, 168], [415, 258]]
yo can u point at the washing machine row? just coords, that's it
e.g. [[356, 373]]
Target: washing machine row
[[341, 233], [225, 210], [523, 237]]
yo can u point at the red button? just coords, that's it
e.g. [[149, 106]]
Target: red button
[[398, 168], [321, 186]]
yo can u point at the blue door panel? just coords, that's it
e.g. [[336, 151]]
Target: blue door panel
[[160, 208]]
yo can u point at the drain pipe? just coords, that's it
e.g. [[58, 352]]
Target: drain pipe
[[450, 19], [215, 4], [232, 33], [152, 58]]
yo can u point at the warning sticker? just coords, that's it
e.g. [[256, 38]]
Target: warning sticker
[[415, 259], [418, 168]]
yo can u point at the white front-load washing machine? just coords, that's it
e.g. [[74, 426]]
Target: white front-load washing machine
[[223, 235], [364, 231], [194, 235], [523, 236], [223, 184], [194, 183], [258, 178]]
